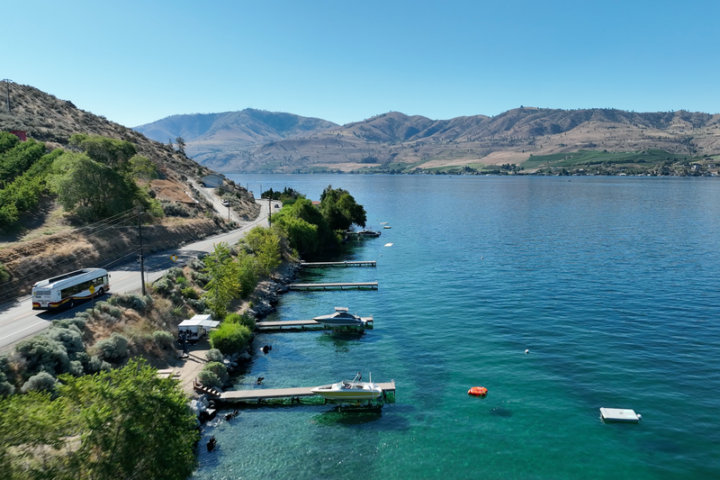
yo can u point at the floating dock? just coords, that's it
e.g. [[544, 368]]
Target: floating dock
[[334, 286], [259, 395], [623, 415], [366, 263], [367, 323]]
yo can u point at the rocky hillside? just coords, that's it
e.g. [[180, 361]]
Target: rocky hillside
[[398, 141], [212, 139], [405, 142], [47, 118]]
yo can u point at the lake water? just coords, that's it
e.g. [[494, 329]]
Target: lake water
[[611, 283]]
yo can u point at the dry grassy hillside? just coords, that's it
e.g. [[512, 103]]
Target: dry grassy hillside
[[47, 118], [213, 137], [49, 239], [402, 141]]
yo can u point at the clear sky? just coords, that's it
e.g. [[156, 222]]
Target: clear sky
[[138, 61]]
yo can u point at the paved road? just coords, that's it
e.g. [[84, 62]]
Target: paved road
[[221, 209], [18, 320]]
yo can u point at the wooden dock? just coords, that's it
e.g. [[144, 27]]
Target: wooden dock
[[258, 395], [365, 263], [368, 323], [334, 286]]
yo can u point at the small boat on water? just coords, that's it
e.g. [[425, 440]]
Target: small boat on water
[[341, 318], [350, 391], [388, 227], [368, 233]]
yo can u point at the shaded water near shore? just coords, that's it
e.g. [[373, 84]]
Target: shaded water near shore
[[611, 283]]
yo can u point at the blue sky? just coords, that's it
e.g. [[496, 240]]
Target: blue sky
[[135, 62]]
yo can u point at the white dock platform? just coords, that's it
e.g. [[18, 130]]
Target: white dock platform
[[363, 263], [619, 415], [333, 286], [257, 395], [367, 323]]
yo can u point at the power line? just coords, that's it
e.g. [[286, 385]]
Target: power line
[[35, 271]]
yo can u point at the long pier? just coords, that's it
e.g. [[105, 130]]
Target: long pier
[[367, 323], [365, 263], [258, 395], [334, 286]]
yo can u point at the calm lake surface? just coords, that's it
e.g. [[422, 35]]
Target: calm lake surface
[[611, 283]]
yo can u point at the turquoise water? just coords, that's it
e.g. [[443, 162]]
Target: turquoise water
[[611, 283]]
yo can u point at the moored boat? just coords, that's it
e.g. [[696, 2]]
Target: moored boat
[[368, 233], [341, 318], [350, 390]]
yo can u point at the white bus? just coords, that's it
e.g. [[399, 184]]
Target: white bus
[[65, 290]]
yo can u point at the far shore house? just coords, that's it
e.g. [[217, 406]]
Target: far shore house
[[213, 180]]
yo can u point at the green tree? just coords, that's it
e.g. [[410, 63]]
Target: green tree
[[92, 189], [143, 168], [181, 144], [224, 284], [266, 245], [109, 151], [340, 209], [246, 274], [125, 423]]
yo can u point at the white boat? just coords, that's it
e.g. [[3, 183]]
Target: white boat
[[387, 227], [341, 318], [350, 391]]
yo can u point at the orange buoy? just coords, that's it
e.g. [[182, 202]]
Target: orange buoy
[[478, 391]]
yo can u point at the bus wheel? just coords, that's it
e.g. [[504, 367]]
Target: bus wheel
[[101, 292]]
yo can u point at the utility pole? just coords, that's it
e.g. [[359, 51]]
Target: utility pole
[[142, 256], [269, 210], [7, 83]]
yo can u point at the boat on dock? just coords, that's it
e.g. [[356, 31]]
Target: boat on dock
[[350, 391], [368, 233], [341, 318]]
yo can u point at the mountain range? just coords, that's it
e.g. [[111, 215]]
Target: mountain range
[[259, 141]]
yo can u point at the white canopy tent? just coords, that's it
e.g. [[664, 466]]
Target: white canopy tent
[[198, 325]]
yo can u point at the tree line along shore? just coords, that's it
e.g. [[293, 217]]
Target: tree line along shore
[[83, 399]]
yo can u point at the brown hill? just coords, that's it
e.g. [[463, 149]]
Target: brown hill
[[212, 137], [400, 141]]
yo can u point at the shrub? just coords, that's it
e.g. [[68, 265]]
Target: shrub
[[69, 337], [214, 355], [199, 306], [78, 322], [43, 353], [43, 381], [113, 349], [163, 285], [172, 209], [196, 264], [132, 300], [6, 388], [209, 379], [181, 281], [95, 365], [189, 292], [4, 274], [201, 279], [218, 369], [230, 338], [175, 272], [163, 339], [244, 319], [76, 368]]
